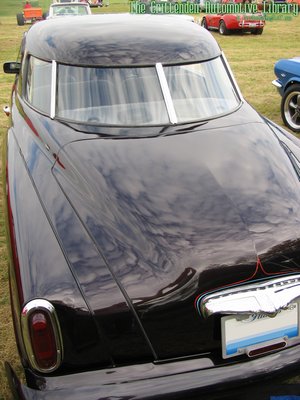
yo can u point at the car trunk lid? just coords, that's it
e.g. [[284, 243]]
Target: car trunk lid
[[178, 216]]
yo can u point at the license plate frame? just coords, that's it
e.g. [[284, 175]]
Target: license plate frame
[[243, 332]]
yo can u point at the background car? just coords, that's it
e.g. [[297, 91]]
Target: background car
[[288, 85], [69, 9], [294, 2], [227, 23], [152, 217], [97, 3], [68, 1], [29, 15]]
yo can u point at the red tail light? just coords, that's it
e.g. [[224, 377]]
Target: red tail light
[[41, 334], [42, 340]]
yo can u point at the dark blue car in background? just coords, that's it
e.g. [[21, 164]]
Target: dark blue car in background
[[288, 84]]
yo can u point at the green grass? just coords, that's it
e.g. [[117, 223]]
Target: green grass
[[11, 8], [10, 36], [251, 58]]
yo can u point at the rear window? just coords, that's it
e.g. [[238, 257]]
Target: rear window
[[144, 95], [113, 96]]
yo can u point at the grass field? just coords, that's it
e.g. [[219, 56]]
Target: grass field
[[251, 58]]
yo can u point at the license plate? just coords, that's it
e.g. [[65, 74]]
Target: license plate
[[252, 24], [241, 334]]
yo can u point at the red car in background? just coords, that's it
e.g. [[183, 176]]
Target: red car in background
[[243, 22]]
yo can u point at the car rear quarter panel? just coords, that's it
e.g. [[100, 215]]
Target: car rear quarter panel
[[57, 260], [38, 265], [231, 21], [213, 20]]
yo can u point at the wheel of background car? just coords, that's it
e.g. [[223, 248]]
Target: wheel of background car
[[204, 23], [20, 19], [258, 31], [222, 28], [290, 108]]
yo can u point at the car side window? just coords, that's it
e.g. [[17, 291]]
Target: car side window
[[38, 84]]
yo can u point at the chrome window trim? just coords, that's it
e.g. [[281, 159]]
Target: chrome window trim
[[53, 89], [267, 297], [166, 93], [45, 306], [234, 82]]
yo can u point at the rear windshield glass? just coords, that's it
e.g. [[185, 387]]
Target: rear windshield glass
[[136, 96]]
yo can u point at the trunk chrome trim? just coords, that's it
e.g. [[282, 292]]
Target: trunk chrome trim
[[267, 297]]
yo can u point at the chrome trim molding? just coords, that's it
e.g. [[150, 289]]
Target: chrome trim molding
[[166, 93], [236, 86], [53, 89], [268, 297], [276, 83], [45, 306]]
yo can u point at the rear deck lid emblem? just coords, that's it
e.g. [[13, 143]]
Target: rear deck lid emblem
[[267, 297]]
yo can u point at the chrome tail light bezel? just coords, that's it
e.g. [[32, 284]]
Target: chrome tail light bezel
[[44, 306]]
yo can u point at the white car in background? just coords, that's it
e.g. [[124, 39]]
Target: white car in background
[[66, 9]]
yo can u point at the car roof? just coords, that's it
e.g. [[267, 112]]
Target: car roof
[[120, 39]]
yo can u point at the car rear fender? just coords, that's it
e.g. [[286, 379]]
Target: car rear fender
[[38, 266], [293, 80]]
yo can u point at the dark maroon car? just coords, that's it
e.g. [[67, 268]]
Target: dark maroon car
[[153, 217]]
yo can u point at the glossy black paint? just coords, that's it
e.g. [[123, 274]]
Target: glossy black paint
[[96, 40], [185, 379], [182, 232], [123, 228]]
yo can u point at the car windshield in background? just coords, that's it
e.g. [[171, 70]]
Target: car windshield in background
[[145, 95], [69, 10]]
